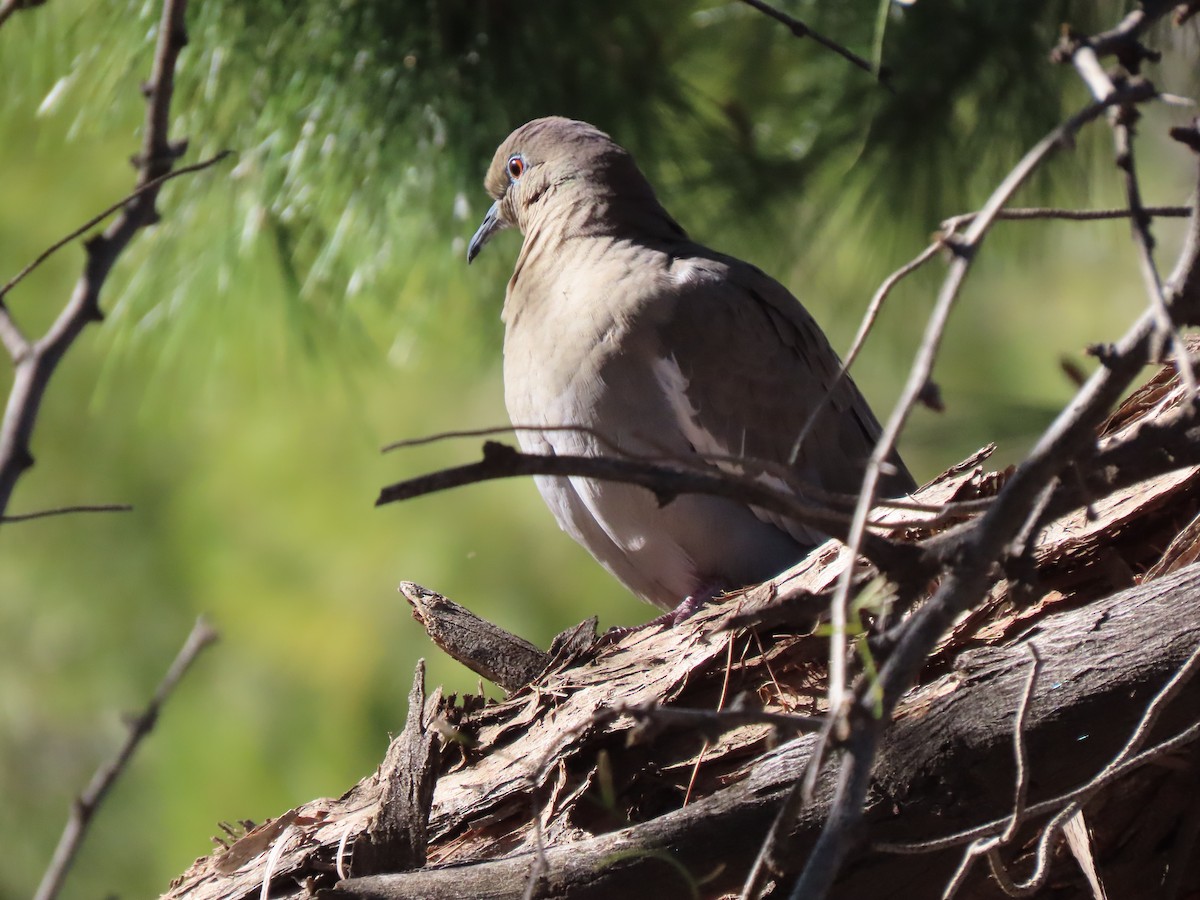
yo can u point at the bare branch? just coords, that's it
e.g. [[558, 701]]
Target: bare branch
[[949, 227], [693, 461], [36, 361], [86, 805], [724, 461], [968, 579]]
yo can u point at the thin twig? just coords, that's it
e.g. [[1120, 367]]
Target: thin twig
[[67, 510], [1168, 336], [95, 220], [959, 875], [967, 581], [1000, 873], [277, 847], [1122, 119], [493, 430], [1128, 29], [340, 857], [1087, 64], [1031, 213], [11, 337], [989, 846], [948, 227], [800, 30], [864, 329], [1023, 543], [1020, 751], [1154, 709], [1184, 11], [979, 222], [85, 806]]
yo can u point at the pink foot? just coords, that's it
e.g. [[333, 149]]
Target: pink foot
[[687, 608]]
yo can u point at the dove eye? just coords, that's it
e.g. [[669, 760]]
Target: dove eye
[[516, 167]]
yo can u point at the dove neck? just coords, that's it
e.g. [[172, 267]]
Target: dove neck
[[578, 208]]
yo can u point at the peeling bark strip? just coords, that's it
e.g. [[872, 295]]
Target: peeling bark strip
[[486, 649], [395, 842]]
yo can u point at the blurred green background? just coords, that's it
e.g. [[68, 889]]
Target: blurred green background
[[308, 302]]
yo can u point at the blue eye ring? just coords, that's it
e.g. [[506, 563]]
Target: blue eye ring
[[516, 166]]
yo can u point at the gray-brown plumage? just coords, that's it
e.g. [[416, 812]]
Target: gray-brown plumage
[[617, 321]]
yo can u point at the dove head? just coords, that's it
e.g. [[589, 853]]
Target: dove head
[[568, 173]]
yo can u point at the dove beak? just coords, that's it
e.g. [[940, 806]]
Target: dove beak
[[492, 223]]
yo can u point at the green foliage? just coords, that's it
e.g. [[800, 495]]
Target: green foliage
[[378, 119], [363, 128]]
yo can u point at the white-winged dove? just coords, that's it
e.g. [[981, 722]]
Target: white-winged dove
[[616, 321]]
